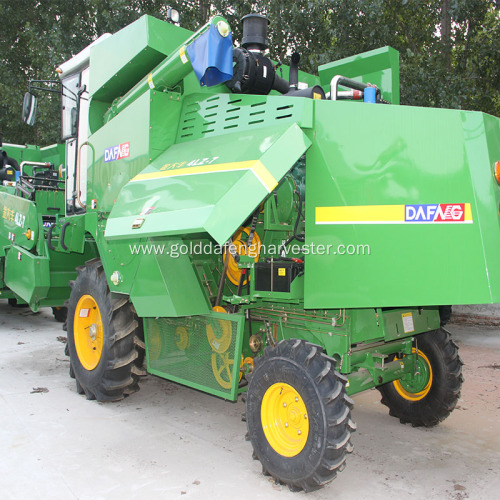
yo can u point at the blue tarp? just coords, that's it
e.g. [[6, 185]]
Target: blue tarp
[[211, 56]]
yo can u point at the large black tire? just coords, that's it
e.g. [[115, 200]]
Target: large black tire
[[60, 314], [306, 369], [444, 314], [15, 303], [433, 404], [116, 373]]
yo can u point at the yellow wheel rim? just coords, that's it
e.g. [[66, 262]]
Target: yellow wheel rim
[[222, 368], [219, 334], [284, 420], [183, 334], [154, 341], [239, 241], [88, 332], [421, 384]]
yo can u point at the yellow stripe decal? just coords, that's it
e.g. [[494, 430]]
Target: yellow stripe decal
[[264, 176], [256, 166], [437, 213], [368, 213]]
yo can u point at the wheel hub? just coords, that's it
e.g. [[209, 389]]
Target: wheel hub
[[88, 332], [417, 386], [284, 419]]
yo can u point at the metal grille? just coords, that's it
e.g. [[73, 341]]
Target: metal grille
[[223, 113], [198, 351]]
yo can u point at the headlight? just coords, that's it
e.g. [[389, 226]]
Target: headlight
[[173, 15]]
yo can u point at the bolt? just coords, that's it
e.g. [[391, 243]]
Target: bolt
[[299, 432], [296, 399], [284, 405], [286, 424], [305, 416]]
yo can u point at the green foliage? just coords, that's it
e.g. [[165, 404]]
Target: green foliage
[[449, 49]]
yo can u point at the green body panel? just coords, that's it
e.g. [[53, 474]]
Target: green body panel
[[31, 272], [149, 124], [27, 275], [18, 215], [122, 60], [234, 174], [402, 156], [379, 67], [159, 287], [52, 154]]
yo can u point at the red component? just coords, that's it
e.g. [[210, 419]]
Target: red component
[[243, 271], [357, 94], [298, 261], [497, 171]]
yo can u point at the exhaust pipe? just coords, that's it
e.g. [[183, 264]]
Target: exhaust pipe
[[294, 71]]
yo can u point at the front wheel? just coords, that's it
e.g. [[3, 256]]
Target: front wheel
[[299, 415], [429, 396], [103, 337]]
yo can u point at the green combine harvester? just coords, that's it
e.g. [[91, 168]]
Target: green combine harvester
[[239, 226]]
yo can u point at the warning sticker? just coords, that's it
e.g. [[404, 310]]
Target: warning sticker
[[282, 271], [150, 81], [84, 313], [182, 54], [408, 325]]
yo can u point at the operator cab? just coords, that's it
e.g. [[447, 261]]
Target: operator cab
[[74, 90], [74, 75]]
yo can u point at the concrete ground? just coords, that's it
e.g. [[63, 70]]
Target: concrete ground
[[168, 441]]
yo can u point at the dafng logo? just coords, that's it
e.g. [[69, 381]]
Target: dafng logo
[[117, 152]]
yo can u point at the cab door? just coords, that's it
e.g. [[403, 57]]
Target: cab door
[[75, 120]]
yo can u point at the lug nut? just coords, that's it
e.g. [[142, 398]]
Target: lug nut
[[284, 405], [286, 424], [299, 432]]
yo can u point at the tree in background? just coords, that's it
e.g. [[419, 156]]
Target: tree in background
[[449, 49]]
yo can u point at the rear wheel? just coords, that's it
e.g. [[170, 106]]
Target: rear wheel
[[445, 314], [60, 314], [299, 415], [103, 337], [432, 393]]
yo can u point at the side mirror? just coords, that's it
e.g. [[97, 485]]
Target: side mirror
[[29, 108]]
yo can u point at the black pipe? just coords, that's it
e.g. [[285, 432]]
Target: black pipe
[[281, 85], [353, 84], [293, 77], [13, 163]]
